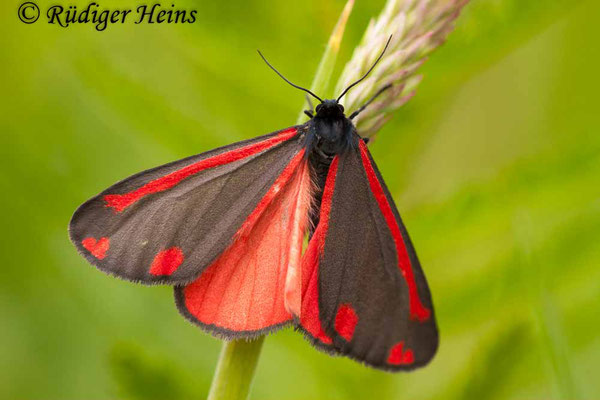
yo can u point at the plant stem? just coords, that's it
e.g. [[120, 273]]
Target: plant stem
[[238, 359], [320, 83], [235, 369]]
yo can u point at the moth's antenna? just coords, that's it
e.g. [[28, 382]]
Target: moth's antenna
[[383, 89], [368, 72], [284, 78]]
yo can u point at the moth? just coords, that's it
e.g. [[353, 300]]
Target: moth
[[227, 229]]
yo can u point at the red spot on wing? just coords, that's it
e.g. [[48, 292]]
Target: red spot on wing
[[167, 261], [243, 290], [97, 248], [120, 202], [309, 318], [399, 356], [417, 310], [345, 321]]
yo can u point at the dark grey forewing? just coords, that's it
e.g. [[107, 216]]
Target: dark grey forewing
[[359, 270], [199, 216]]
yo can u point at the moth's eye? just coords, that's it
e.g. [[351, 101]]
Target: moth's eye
[[318, 108], [341, 107]]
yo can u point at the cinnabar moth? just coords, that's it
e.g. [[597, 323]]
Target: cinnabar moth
[[226, 229]]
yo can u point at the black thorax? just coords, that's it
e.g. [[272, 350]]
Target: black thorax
[[328, 133]]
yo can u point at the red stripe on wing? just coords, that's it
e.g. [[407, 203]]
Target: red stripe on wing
[[309, 317], [120, 202], [417, 310]]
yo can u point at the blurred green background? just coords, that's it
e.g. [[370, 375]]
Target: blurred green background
[[495, 166]]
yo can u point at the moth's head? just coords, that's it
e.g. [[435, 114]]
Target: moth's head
[[330, 109]]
